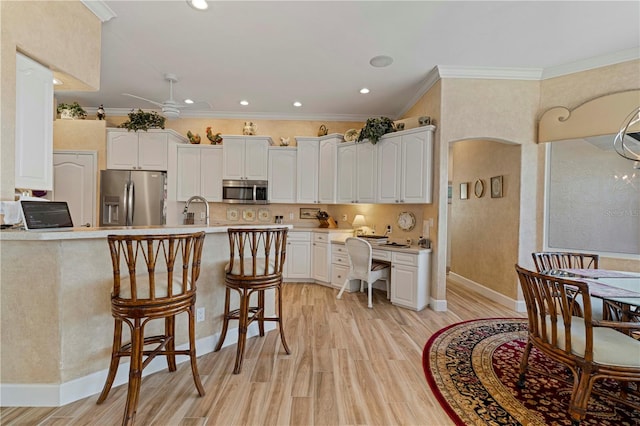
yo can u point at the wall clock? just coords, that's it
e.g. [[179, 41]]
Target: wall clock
[[406, 221]]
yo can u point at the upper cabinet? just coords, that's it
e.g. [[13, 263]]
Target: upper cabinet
[[199, 172], [34, 125], [139, 150], [282, 175], [246, 157], [357, 172], [317, 162], [405, 167]]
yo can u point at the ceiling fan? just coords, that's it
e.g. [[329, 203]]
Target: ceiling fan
[[170, 108]]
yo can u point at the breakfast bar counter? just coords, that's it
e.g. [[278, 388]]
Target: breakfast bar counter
[[57, 327]]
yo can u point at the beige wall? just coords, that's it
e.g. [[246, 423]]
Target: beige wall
[[484, 231], [63, 35]]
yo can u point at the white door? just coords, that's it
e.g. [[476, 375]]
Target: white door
[[74, 181]]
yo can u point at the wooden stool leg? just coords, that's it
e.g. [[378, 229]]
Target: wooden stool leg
[[135, 373], [280, 321], [170, 348], [261, 312], [225, 320], [115, 361], [243, 319], [192, 351]]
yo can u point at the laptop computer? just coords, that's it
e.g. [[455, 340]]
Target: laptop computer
[[46, 215]]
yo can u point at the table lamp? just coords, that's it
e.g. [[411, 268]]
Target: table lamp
[[358, 223]]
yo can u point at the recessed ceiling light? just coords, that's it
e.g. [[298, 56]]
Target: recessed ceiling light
[[198, 4], [245, 103], [381, 61], [188, 101], [297, 104], [364, 90], [57, 82]]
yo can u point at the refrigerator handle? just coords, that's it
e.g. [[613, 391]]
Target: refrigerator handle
[[255, 190], [130, 198], [125, 202]]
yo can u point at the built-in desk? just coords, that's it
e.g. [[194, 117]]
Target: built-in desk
[[410, 272]]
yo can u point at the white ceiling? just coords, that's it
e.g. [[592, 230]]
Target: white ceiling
[[272, 53]]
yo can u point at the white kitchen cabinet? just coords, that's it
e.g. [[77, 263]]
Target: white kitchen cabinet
[[199, 172], [357, 172], [405, 167], [34, 125], [282, 174], [298, 262], [138, 150], [340, 268], [75, 181], [317, 163], [321, 258], [410, 280], [246, 157]]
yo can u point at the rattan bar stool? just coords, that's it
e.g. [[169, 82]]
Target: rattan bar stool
[[154, 277], [256, 261]]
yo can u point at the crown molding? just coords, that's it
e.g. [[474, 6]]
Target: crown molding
[[490, 73], [432, 78], [592, 63], [100, 9]]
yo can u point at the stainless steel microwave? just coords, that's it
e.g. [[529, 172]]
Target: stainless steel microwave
[[245, 191]]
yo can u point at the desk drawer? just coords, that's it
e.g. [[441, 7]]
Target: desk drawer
[[339, 249], [320, 238], [381, 254], [405, 259], [340, 259]]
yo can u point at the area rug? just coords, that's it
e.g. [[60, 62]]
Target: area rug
[[472, 368]]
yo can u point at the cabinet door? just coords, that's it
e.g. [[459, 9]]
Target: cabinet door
[[152, 151], [282, 175], [417, 164], [74, 181], [327, 163], [320, 262], [188, 172], [307, 173], [298, 259], [211, 173], [34, 125], [366, 173], [346, 185], [256, 156], [233, 155], [122, 150], [404, 282], [389, 170]]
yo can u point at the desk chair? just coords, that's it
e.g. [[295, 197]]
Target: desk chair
[[256, 262], [362, 267], [154, 277]]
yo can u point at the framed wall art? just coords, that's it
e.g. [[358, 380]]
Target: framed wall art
[[464, 190], [309, 213], [496, 187], [478, 188]]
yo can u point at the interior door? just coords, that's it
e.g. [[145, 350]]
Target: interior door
[[74, 181]]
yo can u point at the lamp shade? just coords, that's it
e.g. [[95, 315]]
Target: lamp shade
[[358, 221]]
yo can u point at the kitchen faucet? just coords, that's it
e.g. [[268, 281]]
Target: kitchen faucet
[[206, 207]]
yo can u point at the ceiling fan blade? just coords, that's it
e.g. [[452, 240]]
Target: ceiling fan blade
[[144, 99]]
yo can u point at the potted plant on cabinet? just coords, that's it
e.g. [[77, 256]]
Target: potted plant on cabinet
[[140, 120], [375, 128], [71, 111]]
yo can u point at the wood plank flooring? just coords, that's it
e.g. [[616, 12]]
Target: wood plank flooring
[[349, 365]]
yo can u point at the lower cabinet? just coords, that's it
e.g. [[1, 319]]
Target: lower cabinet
[[298, 262], [321, 256], [340, 268], [409, 280]]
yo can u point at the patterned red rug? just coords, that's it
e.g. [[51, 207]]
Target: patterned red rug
[[472, 368]]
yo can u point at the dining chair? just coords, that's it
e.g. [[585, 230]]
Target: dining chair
[[362, 267], [154, 277], [256, 263], [591, 349], [548, 260]]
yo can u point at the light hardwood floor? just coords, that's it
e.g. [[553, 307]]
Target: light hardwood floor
[[349, 366]]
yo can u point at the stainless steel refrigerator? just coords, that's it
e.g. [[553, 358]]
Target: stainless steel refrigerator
[[132, 198]]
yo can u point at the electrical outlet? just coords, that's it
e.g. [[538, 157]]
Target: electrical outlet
[[291, 216], [202, 215], [199, 314], [389, 229]]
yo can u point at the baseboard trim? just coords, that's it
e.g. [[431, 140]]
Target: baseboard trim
[[438, 305], [516, 305], [57, 395]]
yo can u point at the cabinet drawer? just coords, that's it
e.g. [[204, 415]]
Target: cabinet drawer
[[405, 259], [338, 275], [340, 259], [320, 238], [339, 249], [381, 254], [299, 236]]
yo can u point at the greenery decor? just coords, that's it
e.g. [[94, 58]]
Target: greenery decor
[[375, 128], [140, 120], [73, 110]]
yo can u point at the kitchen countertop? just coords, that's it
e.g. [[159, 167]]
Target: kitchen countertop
[[415, 249]]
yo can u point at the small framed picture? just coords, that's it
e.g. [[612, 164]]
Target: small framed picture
[[232, 213], [478, 188], [309, 213], [496, 187], [464, 190]]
